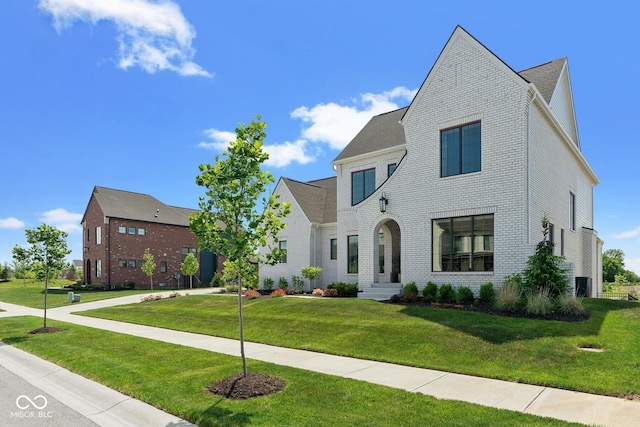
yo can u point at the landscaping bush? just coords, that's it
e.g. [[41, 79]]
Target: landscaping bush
[[130, 285], [174, 294], [487, 293], [538, 303], [251, 294], [217, 281], [410, 292], [298, 284], [508, 295], [464, 295], [267, 283], [317, 292], [231, 288], [283, 284], [570, 305], [344, 289], [330, 293], [430, 291], [446, 294], [278, 293]]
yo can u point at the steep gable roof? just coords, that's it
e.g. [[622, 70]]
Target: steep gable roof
[[545, 76], [317, 198], [139, 207], [383, 131]]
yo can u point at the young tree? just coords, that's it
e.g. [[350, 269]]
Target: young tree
[[148, 265], [189, 267], [47, 252], [229, 222], [311, 273], [21, 264]]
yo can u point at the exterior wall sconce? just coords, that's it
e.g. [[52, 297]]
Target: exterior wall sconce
[[383, 202]]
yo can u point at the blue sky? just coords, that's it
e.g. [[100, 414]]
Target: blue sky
[[135, 94]]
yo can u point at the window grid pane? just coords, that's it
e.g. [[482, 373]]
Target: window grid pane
[[463, 243], [352, 254]]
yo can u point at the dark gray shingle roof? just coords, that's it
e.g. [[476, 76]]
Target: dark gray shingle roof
[[545, 76], [382, 131], [318, 198], [139, 207]]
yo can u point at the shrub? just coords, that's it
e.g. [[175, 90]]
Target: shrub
[[410, 292], [311, 273], [446, 294], [267, 283], [464, 294], [430, 291], [351, 290], [130, 285], [508, 296], [231, 288], [487, 293], [174, 294], [217, 281], [570, 305], [251, 294], [283, 284], [538, 303], [344, 290], [150, 298], [317, 292], [330, 293], [298, 284], [278, 293]]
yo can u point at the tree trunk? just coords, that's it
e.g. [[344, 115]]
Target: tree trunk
[[244, 360]]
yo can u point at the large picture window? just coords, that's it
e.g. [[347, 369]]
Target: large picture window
[[352, 254], [363, 184], [460, 150], [463, 243]]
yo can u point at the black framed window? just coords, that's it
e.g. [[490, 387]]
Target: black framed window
[[462, 243], [282, 245], [572, 211], [122, 263], [132, 230], [163, 266], [131, 263], [562, 242], [460, 150], [334, 248], [122, 229], [352, 254], [186, 251], [363, 184], [391, 168], [141, 231]]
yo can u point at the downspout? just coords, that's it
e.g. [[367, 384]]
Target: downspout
[[315, 253], [528, 167]]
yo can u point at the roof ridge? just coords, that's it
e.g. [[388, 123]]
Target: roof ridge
[[543, 64]]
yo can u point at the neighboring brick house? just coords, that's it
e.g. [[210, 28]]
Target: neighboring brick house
[[452, 188], [119, 225]]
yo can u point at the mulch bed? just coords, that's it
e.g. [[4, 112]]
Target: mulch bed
[[253, 385], [488, 308], [47, 330]]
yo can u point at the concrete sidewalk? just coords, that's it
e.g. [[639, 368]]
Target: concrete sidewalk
[[543, 401]]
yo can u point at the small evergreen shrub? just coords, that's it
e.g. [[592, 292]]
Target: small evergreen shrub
[[410, 292], [330, 293], [217, 281], [344, 289], [446, 294], [278, 293], [298, 284], [538, 303], [487, 293], [464, 295], [508, 296], [430, 291], [130, 285], [283, 284], [267, 283], [570, 305]]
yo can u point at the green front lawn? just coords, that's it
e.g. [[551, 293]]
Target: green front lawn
[[173, 378], [539, 352], [31, 293]]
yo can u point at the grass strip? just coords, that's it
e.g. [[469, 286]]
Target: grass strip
[[538, 352], [173, 378]]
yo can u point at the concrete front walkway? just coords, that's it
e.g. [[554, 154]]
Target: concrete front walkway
[[543, 401]]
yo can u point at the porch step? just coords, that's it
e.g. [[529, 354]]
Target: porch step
[[381, 291]]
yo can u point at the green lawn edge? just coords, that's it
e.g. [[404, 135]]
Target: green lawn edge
[[540, 352], [173, 378]]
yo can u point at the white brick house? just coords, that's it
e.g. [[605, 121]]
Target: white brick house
[[468, 170]]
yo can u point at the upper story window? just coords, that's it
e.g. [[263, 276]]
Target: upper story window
[[132, 230], [98, 235], [186, 251], [282, 245], [363, 184], [122, 229], [141, 231], [572, 211], [460, 150], [391, 168]]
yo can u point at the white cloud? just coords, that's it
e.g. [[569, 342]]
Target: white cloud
[[632, 264], [11, 223], [627, 234], [63, 220], [152, 36], [220, 139], [336, 124], [281, 155]]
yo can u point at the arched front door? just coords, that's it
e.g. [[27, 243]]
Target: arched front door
[[386, 252]]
